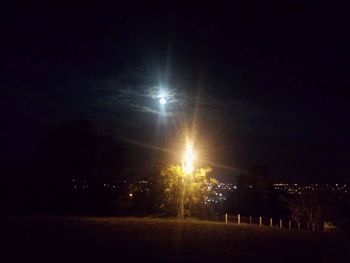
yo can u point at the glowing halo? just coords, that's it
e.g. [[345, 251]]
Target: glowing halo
[[162, 101]]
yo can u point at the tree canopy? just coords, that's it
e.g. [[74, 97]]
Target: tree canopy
[[198, 188]]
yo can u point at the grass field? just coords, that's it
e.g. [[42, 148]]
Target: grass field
[[75, 239]]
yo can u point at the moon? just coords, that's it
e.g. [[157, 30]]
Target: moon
[[162, 101]]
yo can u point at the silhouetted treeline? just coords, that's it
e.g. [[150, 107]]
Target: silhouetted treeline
[[256, 196], [80, 170]]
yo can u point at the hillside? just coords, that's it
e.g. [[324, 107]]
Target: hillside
[[58, 239]]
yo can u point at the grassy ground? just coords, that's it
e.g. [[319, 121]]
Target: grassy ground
[[74, 239]]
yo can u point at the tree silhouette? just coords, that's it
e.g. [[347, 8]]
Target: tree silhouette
[[76, 161]]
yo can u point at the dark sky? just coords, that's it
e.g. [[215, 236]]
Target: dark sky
[[260, 83]]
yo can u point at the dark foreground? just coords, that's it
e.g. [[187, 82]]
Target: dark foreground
[[70, 239]]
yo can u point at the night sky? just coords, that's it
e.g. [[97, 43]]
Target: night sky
[[258, 83]]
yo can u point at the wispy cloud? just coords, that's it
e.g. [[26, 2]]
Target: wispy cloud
[[120, 98]]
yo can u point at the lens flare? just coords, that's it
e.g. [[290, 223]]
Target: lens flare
[[188, 159]]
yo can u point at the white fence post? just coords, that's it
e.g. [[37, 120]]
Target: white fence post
[[290, 224], [226, 218], [260, 221], [250, 220], [280, 223], [271, 221], [239, 219], [298, 225]]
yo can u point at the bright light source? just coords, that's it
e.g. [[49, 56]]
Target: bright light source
[[130, 195], [188, 159], [162, 101]]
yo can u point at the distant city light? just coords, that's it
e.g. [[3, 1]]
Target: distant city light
[[297, 189]]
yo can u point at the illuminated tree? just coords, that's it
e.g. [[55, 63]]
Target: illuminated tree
[[197, 188]]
